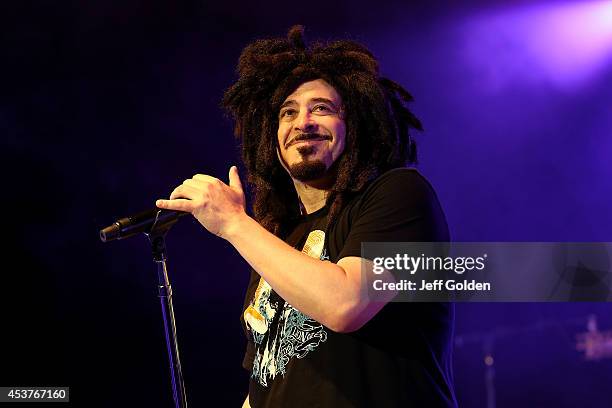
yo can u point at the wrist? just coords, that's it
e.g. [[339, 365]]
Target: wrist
[[234, 228]]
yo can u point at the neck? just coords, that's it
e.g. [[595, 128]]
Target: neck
[[311, 196]]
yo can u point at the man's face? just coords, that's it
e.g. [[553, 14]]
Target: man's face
[[311, 130]]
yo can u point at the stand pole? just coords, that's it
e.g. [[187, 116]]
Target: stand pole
[[158, 247]]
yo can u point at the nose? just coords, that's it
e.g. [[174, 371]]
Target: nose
[[305, 122]]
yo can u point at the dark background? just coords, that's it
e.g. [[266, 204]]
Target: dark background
[[107, 105]]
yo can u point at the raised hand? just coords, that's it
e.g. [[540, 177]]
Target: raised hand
[[216, 205]]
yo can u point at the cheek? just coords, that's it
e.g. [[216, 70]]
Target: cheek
[[281, 137]]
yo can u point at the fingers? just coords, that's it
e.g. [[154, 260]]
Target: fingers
[[234, 179], [186, 191], [186, 196], [197, 190], [180, 199], [205, 177], [176, 205]]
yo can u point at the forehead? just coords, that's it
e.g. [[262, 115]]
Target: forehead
[[318, 88]]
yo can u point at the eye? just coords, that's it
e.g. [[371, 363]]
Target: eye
[[321, 109], [287, 113]]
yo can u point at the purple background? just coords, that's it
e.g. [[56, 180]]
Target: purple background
[[107, 105]]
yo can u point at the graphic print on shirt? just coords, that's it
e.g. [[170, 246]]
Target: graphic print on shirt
[[295, 334], [261, 311]]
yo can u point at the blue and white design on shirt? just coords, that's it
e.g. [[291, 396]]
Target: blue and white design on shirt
[[295, 334]]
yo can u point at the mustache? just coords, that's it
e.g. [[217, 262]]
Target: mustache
[[307, 136]]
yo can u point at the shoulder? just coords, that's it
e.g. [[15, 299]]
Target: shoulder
[[403, 185], [398, 206]]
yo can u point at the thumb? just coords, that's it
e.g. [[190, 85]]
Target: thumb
[[234, 179]]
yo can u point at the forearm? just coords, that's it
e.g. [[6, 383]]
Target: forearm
[[327, 292], [319, 289]]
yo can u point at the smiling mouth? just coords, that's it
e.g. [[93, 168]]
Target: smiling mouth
[[299, 142], [305, 139]]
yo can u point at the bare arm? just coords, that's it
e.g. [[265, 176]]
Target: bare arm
[[330, 293], [246, 404]]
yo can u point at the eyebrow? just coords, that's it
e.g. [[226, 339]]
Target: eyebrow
[[315, 100]]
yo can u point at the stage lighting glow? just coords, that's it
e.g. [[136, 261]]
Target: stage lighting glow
[[564, 44]]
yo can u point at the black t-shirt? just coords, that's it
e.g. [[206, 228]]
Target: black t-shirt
[[400, 358]]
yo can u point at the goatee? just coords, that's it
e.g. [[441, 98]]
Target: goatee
[[308, 170]]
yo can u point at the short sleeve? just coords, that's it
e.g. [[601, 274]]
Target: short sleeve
[[400, 206]]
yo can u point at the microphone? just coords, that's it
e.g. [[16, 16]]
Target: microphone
[[145, 221]]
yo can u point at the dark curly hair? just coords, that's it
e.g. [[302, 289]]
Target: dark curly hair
[[378, 123]]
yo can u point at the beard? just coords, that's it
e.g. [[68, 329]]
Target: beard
[[308, 170]]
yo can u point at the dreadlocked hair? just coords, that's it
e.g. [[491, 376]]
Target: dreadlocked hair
[[377, 119]]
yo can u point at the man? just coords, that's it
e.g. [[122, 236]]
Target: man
[[324, 140]]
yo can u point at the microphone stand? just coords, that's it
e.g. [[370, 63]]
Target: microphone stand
[[155, 224], [158, 247]]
